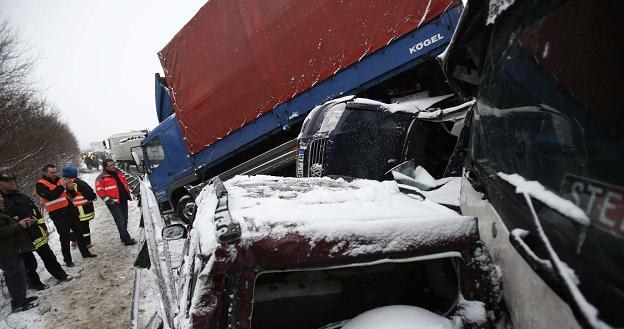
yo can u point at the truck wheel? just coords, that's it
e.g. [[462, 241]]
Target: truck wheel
[[186, 209]]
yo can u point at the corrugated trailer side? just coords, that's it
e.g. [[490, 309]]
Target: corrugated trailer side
[[238, 59]]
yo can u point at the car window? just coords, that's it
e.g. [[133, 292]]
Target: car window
[[155, 153]]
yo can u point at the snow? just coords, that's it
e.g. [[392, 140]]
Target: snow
[[590, 313], [421, 107], [101, 293], [444, 191], [569, 279], [398, 316], [412, 106], [552, 200], [471, 311], [496, 8], [546, 48], [424, 16], [422, 175], [520, 235], [446, 194], [443, 112], [327, 209], [293, 116]]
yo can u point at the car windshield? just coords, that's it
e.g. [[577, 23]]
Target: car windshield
[[315, 298]]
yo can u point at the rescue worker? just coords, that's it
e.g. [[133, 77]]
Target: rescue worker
[[14, 241], [20, 206], [89, 162], [83, 202], [55, 194], [112, 187]]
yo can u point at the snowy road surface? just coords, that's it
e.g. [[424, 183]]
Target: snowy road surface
[[100, 296]]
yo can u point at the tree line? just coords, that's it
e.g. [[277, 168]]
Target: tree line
[[32, 133]]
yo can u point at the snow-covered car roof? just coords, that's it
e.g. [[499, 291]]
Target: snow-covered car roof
[[316, 218]]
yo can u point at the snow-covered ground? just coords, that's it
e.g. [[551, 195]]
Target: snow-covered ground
[[100, 296]]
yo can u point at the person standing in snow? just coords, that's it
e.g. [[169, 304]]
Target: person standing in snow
[[55, 194], [88, 161], [112, 187], [83, 201], [14, 241], [20, 206]]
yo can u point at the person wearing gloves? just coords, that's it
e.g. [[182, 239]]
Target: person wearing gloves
[[112, 187], [83, 201], [20, 206], [55, 194], [14, 241]]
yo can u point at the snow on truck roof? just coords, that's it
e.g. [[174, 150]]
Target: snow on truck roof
[[371, 216]]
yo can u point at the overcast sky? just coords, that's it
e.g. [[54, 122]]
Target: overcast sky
[[96, 59]]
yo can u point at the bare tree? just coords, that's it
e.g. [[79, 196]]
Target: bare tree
[[32, 133]]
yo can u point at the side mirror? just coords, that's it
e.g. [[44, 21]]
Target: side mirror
[[137, 160], [174, 232]]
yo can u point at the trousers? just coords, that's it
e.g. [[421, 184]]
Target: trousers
[[15, 278], [85, 229], [49, 261], [120, 215], [63, 226]]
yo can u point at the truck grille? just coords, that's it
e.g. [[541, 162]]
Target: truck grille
[[316, 157]]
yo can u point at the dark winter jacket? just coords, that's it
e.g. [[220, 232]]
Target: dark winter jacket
[[20, 206], [86, 211], [44, 192], [14, 239]]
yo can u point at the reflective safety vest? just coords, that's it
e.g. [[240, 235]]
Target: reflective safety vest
[[43, 239], [40, 232], [84, 213], [56, 204]]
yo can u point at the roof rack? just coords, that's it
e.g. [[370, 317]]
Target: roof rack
[[228, 231]]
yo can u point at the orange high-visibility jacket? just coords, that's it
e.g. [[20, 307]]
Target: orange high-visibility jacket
[[51, 205]]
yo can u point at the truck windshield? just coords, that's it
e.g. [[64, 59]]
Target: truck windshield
[[154, 152]]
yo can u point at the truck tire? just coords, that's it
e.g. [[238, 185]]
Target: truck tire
[[185, 209]]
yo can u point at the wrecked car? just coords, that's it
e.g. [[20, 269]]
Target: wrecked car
[[276, 252], [364, 138], [544, 154]]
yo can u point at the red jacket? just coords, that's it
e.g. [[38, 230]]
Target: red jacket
[[106, 186]]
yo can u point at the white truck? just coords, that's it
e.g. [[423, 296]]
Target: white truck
[[120, 146]]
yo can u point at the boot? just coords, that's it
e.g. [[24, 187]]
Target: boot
[[24, 307], [40, 286]]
